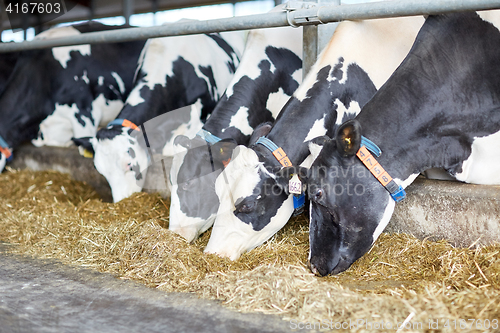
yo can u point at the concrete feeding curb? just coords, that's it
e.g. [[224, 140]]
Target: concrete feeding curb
[[463, 214]]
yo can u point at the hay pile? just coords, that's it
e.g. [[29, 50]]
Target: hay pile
[[48, 215]]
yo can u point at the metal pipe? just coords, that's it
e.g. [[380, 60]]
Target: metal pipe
[[315, 15]]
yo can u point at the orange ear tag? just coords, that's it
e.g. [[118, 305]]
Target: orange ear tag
[[281, 157]]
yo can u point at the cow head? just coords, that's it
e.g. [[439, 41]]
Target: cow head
[[253, 205], [349, 208], [120, 158], [195, 168]]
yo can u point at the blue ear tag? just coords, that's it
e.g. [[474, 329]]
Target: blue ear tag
[[399, 195], [299, 202]]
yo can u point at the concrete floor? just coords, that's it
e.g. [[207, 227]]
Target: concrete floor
[[47, 296]]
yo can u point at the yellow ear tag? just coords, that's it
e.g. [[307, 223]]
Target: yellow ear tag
[[87, 153], [221, 151], [347, 141]]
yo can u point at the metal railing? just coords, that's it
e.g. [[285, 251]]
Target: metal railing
[[296, 14]]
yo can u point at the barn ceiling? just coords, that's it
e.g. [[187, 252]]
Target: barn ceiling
[[86, 9]]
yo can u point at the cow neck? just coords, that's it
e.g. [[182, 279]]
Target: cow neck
[[416, 119], [254, 94], [294, 124], [138, 114]]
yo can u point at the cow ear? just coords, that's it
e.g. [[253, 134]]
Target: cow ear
[[223, 150], [182, 140], [348, 138], [85, 146], [261, 130]]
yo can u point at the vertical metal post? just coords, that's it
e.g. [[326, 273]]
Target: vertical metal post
[[128, 10], [316, 38], [3, 18], [92, 9]]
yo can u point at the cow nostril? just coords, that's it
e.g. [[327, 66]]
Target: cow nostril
[[313, 268], [317, 266]]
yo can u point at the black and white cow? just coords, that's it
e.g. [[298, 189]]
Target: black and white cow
[[7, 63], [65, 91], [269, 72], [174, 72], [440, 108], [253, 203]]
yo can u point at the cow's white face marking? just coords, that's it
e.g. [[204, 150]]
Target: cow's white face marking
[[62, 54], [122, 162], [186, 226], [232, 237], [240, 120], [238, 180], [482, 165]]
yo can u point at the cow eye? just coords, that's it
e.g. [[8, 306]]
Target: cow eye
[[318, 194], [246, 207]]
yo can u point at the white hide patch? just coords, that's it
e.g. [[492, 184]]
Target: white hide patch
[[104, 110], [240, 121], [405, 183], [119, 81], [134, 98], [57, 128], [482, 166], [365, 43], [159, 54], [100, 80], [317, 129], [85, 78], [3, 161], [342, 111], [276, 101], [389, 209], [257, 42], [188, 129], [62, 54]]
